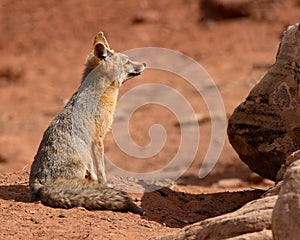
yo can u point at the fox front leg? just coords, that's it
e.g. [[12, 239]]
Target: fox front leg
[[97, 153]]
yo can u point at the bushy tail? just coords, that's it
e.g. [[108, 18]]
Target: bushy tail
[[68, 193]]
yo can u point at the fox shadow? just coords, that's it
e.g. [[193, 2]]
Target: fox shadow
[[15, 192], [178, 209]]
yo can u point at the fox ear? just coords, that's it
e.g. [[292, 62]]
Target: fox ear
[[100, 51]]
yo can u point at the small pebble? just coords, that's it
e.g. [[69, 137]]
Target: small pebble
[[33, 220], [230, 182]]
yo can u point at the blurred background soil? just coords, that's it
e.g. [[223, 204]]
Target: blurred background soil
[[43, 47]]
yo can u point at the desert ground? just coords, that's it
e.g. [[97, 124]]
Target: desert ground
[[43, 47]]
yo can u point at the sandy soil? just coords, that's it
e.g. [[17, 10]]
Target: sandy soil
[[43, 47]]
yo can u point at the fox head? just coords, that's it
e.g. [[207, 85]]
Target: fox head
[[115, 66]]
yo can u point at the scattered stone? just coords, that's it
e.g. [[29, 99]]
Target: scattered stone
[[230, 182], [110, 219], [145, 225], [224, 9], [82, 209], [34, 220], [10, 75], [61, 215], [264, 129], [146, 16], [202, 118], [2, 159], [220, 9]]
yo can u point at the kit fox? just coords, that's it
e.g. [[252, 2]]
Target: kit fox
[[68, 169]]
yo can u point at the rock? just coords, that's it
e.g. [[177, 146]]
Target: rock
[[273, 190], [2, 159], [252, 218], [264, 129], [255, 178], [286, 213], [223, 9], [218, 9], [265, 234], [230, 182], [292, 158], [146, 16]]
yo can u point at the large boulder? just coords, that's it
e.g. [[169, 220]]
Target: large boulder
[[264, 130]]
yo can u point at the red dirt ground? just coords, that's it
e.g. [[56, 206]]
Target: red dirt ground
[[43, 47]]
